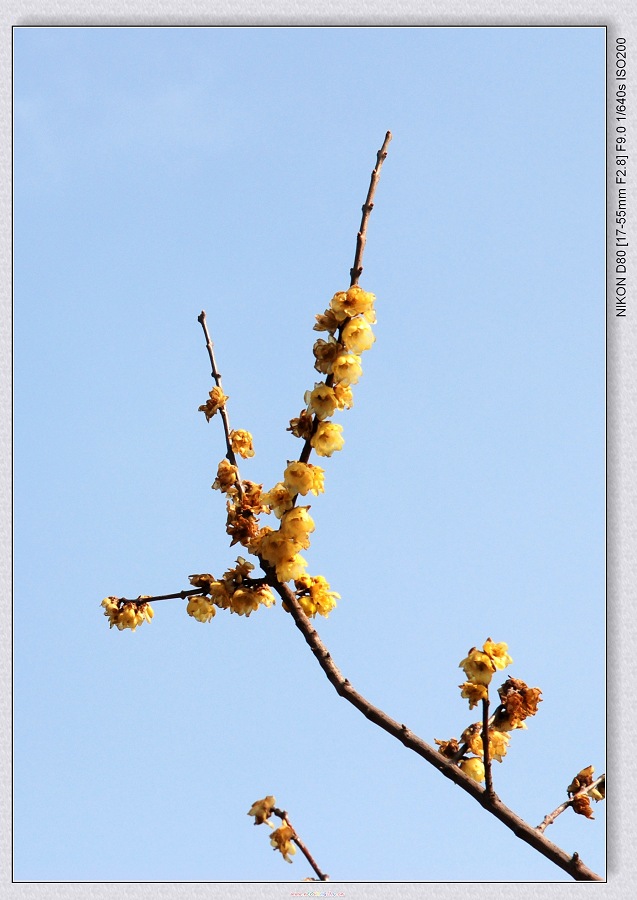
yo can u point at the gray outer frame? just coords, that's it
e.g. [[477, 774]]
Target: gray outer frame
[[621, 418]]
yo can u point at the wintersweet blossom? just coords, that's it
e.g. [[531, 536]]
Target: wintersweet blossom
[[325, 353], [478, 667], [281, 840], [201, 609], [129, 615], [353, 302], [315, 596], [241, 443], [321, 401], [327, 439], [301, 426], [297, 524], [344, 396], [226, 477], [347, 368], [519, 702], [497, 653], [474, 693], [279, 499], [303, 478], [262, 810], [216, 400], [473, 767], [357, 335]]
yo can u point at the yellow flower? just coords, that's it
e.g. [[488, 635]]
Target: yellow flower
[[297, 524], [473, 739], [214, 404], [321, 401], [478, 667], [262, 810], [599, 791], [279, 499], [201, 609], [244, 601], [301, 427], [353, 302], [347, 368], [281, 840], [498, 742], [473, 767], [241, 443], [130, 615], [357, 335], [289, 569], [327, 321], [325, 353], [473, 693], [344, 396], [315, 595], [497, 653], [301, 478], [226, 476], [327, 439], [448, 748], [111, 609], [275, 547], [221, 594]]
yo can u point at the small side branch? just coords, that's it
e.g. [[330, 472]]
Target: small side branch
[[551, 817], [282, 814], [230, 454], [361, 238], [180, 595]]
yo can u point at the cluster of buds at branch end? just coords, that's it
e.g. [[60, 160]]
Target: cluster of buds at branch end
[[123, 614], [582, 788]]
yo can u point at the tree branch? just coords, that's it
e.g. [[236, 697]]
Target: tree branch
[[570, 864]]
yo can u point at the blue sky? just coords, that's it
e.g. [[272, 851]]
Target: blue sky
[[161, 171]]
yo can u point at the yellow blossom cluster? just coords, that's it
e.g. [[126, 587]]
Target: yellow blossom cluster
[[235, 591], [315, 595], [580, 797], [127, 615], [517, 702], [479, 665], [348, 321]]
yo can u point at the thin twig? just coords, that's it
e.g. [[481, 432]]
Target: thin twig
[[282, 814], [181, 595], [486, 751], [570, 864], [361, 238], [230, 455], [551, 817]]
